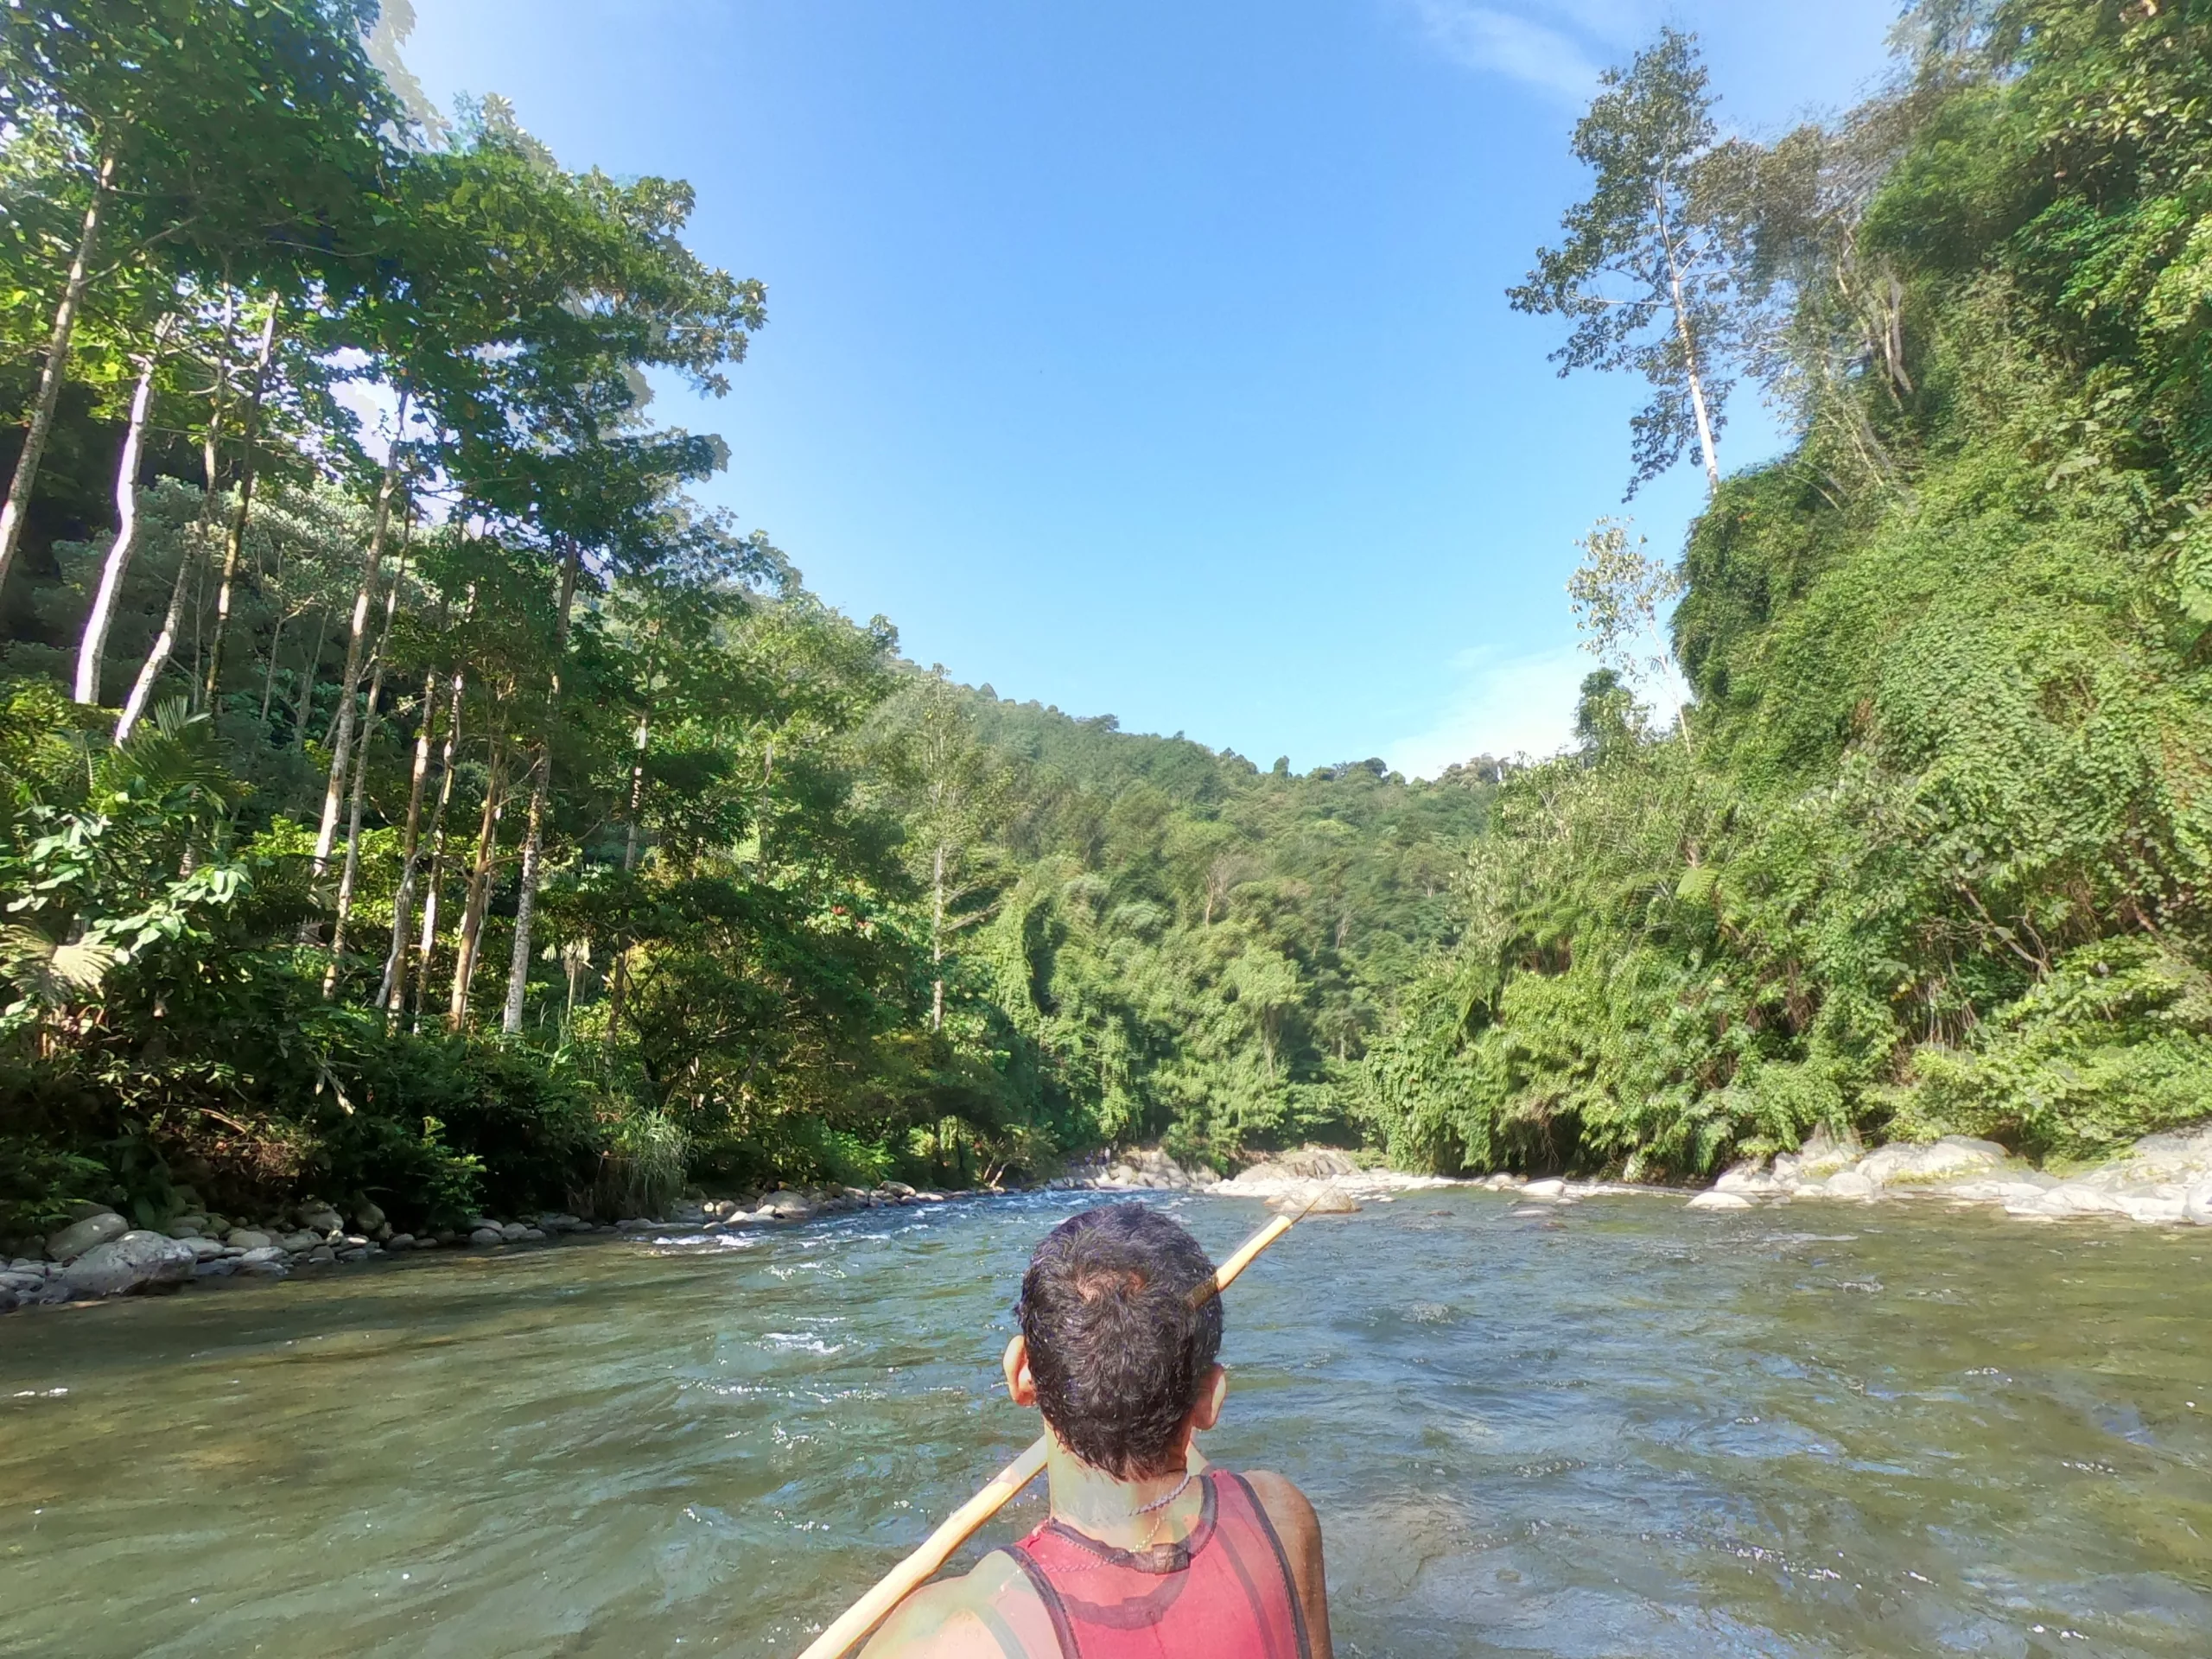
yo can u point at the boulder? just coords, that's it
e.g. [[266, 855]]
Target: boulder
[[514, 1232], [1850, 1184], [634, 1224], [205, 1249], [83, 1235], [2197, 1205], [86, 1209], [1751, 1177], [266, 1255], [792, 1210], [248, 1238], [896, 1190], [130, 1262], [1717, 1200], [1822, 1155], [305, 1239], [1552, 1188], [1329, 1202], [1504, 1181], [2178, 1156], [486, 1235], [320, 1218], [368, 1217], [1954, 1158], [400, 1242]]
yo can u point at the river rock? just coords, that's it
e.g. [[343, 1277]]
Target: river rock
[[2196, 1204], [2178, 1155], [23, 1283], [205, 1249], [400, 1242], [368, 1217], [83, 1235], [320, 1218], [1953, 1157], [1328, 1202], [484, 1236], [792, 1210], [248, 1238], [1822, 1154], [1847, 1184], [1717, 1200], [514, 1231], [895, 1190], [132, 1260], [1553, 1187], [220, 1267], [187, 1228], [1503, 1180]]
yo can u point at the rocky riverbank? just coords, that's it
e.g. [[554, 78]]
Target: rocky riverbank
[[2163, 1180], [100, 1253]]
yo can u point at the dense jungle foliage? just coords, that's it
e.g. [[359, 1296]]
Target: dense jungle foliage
[[406, 790], [1929, 851]]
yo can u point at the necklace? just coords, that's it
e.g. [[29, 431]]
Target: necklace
[[1162, 1503], [1155, 1507]]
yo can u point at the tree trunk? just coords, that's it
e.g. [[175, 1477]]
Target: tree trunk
[[533, 846], [391, 990], [303, 694], [268, 674], [18, 506], [352, 866], [479, 893], [93, 646], [937, 940], [618, 985], [1682, 332], [341, 739], [436, 880], [234, 544], [211, 445]]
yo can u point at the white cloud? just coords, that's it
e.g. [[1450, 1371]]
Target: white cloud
[[1543, 43], [1503, 705]]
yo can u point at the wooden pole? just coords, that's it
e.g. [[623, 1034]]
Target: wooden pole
[[963, 1523]]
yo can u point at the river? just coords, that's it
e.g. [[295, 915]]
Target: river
[[1622, 1429]]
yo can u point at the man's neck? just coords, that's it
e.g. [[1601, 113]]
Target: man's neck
[[1118, 1512]]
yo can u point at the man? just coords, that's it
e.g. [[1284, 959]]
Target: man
[[1149, 1552]]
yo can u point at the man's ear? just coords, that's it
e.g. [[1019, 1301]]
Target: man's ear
[[1207, 1412], [1018, 1383]]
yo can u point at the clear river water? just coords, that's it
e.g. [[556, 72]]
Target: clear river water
[[1622, 1429]]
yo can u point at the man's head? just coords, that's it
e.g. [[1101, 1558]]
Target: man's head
[[1119, 1357]]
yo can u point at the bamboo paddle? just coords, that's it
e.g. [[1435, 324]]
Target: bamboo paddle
[[958, 1527]]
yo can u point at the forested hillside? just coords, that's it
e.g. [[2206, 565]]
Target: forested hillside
[[408, 790], [1928, 852]]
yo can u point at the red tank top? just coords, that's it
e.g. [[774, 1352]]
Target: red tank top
[[1223, 1592]]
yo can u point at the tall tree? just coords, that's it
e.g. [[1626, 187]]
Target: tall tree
[[252, 140], [1645, 275]]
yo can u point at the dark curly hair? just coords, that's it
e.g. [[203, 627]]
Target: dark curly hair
[[1117, 1347]]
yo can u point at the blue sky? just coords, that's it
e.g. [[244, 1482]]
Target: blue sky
[[1152, 357]]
